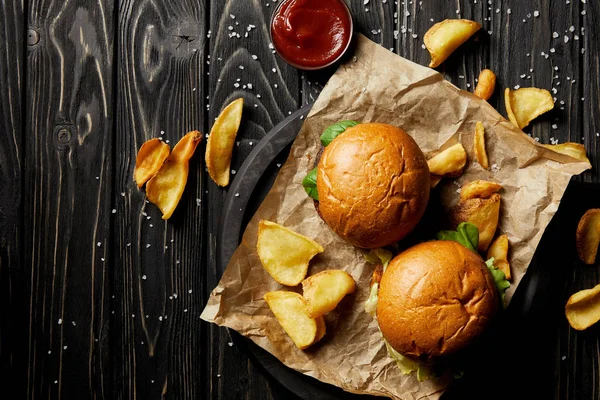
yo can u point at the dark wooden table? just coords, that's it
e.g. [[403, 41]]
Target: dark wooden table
[[100, 298]]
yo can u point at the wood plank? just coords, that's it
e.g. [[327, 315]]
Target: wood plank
[[13, 327], [158, 268], [66, 197], [247, 67]]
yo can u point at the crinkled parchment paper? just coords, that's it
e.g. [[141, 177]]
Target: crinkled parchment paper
[[378, 86]]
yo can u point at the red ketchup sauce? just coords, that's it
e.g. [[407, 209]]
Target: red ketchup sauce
[[311, 34]]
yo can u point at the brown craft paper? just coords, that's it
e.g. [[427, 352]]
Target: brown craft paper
[[379, 86]]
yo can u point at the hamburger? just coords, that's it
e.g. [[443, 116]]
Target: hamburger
[[373, 184], [434, 299]]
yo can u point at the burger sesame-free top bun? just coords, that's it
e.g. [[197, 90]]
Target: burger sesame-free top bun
[[373, 184], [434, 299]]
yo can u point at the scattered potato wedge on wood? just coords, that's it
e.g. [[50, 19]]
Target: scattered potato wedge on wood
[[583, 308], [291, 311], [486, 84], [483, 213], [166, 187], [323, 291], [575, 150], [499, 250], [479, 189], [219, 145], [449, 162], [150, 158], [588, 236], [443, 38], [525, 104], [284, 253], [479, 146]]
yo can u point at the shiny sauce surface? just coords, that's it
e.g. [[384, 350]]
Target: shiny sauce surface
[[311, 33]]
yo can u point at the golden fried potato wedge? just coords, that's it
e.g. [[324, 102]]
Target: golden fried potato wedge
[[575, 150], [526, 104], [166, 187], [483, 213], [219, 146], [150, 158], [486, 84], [450, 162], [323, 291], [588, 236], [583, 308], [479, 146], [291, 311], [499, 250], [479, 189], [444, 37], [284, 253], [435, 180]]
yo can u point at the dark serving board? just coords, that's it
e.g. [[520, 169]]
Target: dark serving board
[[531, 352]]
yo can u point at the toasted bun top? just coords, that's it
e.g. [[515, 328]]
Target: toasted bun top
[[373, 184], [434, 299]]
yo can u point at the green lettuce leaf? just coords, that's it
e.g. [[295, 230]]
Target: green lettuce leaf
[[381, 255], [371, 303], [499, 278], [466, 234], [332, 131], [310, 184], [423, 373], [405, 364]]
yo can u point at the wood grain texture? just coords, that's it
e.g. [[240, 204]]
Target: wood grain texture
[[66, 197], [13, 330], [242, 64], [158, 271]]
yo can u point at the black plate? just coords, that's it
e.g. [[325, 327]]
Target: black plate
[[522, 351]]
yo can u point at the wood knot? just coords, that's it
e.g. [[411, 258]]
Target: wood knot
[[33, 37], [185, 39], [63, 136]]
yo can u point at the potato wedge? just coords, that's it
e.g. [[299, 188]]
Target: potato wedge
[[150, 158], [479, 190], [284, 253], [588, 236], [450, 162], [323, 291], [574, 150], [292, 313], [435, 180], [219, 146], [166, 187], [483, 213], [525, 104], [499, 250], [479, 146], [486, 84], [444, 37], [583, 308]]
